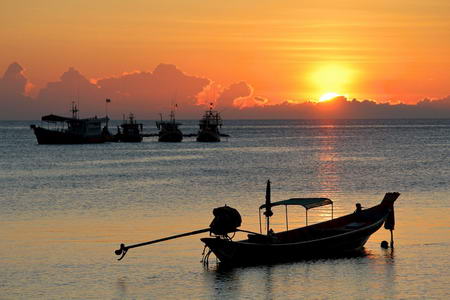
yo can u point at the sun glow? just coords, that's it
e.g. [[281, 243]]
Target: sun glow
[[328, 96], [331, 77]]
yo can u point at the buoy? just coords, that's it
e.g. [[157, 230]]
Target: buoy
[[384, 245]]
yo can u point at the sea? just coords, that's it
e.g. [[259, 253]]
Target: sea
[[64, 209]]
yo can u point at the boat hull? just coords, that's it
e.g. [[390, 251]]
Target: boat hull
[[208, 137], [303, 243], [170, 137], [130, 138], [46, 136]]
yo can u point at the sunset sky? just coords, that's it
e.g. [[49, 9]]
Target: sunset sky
[[396, 51]]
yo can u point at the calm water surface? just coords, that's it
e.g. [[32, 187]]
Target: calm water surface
[[65, 209]]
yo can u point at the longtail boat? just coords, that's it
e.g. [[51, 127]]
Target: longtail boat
[[336, 237]]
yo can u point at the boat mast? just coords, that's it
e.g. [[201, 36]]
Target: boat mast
[[172, 113], [74, 110], [268, 213], [106, 106]]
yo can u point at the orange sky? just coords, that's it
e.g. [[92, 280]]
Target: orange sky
[[286, 50]]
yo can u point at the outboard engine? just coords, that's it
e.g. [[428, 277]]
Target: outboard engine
[[226, 220]]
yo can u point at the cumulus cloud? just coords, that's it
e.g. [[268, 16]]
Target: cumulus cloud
[[13, 99], [443, 103], [240, 95], [158, 90], [230, 95], [145, 93], [149, 93], [209, 94], [72, 86], [14, 81], [342, 108]]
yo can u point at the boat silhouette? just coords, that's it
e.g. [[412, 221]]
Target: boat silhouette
[[168, 130], [129, 131], [66, 130], [337, 237], [209, 125]]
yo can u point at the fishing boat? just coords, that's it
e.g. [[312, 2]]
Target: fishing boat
[[65, 130], [129, 131], [168, 130], [209, 126], [341, 236]]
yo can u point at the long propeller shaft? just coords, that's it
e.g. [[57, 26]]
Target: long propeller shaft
[[123, 249]]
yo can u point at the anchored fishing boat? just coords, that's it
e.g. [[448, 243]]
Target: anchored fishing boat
[[209, 126], [340, 236], [129, 131], [168, 130], [72, 130]]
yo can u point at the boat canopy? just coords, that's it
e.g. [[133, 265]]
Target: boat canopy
[[55, 118], [307, 203]]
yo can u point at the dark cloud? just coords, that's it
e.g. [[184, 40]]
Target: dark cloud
[[342, 108], [443, 103], [155, 91], [14, 103], [144, 93], [13, 82], [72, 86], [240, 95], [234, 93], [149, 93]]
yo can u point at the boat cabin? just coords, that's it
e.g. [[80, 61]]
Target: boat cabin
[[85, 127]]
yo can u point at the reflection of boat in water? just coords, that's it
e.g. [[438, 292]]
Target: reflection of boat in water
[[129, 131], [209, 126], [341, 236], [168, 130], [72, 130]]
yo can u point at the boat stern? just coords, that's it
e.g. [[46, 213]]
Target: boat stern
[[223, 249]]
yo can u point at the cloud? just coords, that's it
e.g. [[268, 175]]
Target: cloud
[[234, 93], [156, 90], [144, 93], [443, 103], [209, 94], [240, 95], [148, 93], [72, 86], [13, 86], [342, 108], [14, 81]]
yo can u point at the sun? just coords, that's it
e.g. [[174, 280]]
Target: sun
[[331, 77], [328, 96]]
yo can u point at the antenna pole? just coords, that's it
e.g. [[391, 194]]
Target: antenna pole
[[74, 110], [268, 213], [106, 106]]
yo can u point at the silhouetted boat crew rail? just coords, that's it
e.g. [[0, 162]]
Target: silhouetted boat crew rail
[[341, 236]]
